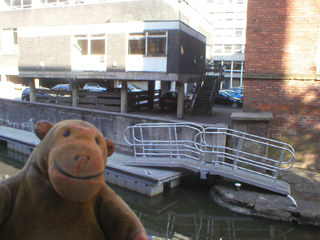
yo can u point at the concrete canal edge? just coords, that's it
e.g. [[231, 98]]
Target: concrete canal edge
[[256, 202]]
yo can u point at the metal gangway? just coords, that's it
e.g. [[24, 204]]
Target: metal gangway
[[212, 151]]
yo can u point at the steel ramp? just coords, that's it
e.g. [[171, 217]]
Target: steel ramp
[[211, 151]]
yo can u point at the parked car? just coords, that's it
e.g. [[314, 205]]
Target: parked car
[[133, 88], [25, 96], [94, 87], [232, 93], [170, 99], [64, 87], [224, 98], [238, 90]]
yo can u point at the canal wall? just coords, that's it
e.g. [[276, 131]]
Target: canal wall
[[23, 115]]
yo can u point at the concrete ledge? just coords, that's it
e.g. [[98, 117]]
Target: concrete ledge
[[252, 116]]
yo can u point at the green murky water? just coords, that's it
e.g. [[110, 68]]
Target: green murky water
[[187, 211]]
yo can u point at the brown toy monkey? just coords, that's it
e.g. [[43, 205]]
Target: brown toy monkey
[[61, 192]]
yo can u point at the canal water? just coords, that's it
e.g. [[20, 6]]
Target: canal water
[[187, 211]]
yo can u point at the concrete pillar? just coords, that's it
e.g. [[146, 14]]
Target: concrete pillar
[[32, 90], [75, 92], [164, 87], [180, 104], [124, 97], [151, 89], [3, 78]]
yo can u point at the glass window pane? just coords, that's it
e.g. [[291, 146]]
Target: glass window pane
[[157, 46], [239, 32], [83, 44], [228, 32], [227, 64], [218, 48], [137, 46], [81, 36], [236, 65], [156, 33], [98, 47], [101, 35], [218, 32], [27, 3], [238, 48], [227, 48], [16, 3], [15, 36]]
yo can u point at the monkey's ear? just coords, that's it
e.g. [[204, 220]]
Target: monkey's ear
[[110, 146], [42, 127]]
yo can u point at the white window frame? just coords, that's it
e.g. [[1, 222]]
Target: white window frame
[[147, 35], [9, 40], [89, 38]]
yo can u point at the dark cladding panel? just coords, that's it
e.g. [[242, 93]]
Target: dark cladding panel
[[186, 54], [173, 51]]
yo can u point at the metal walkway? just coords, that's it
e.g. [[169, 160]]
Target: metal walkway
[[212, 151]]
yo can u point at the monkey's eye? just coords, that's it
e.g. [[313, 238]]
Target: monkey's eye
[[66, 133], [97, 141]]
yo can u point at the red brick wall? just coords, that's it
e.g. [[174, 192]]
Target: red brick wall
[[281, 72], [282, 36]]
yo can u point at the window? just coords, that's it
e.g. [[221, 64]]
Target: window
[[227, 48], [21, 3], [228, 32], [218, 32], [93, 44], [148, 43], [156, 43], [227, 64], [137, 44], [239, 32], [229, 16], [9, 40], [218, 48], [238, 48], [236, 65]]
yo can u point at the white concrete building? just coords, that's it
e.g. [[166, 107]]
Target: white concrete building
[[229, 21]]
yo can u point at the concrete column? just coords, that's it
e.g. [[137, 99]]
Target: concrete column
[[33, 97], [75, 92], [151, 89], [124, 97], [180, 107], [164, 87], [3, 78]]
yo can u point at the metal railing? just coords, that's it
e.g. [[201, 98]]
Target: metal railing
[[164, 140], [212, 151], [250, 153]]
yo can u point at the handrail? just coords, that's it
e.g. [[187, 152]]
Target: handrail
[[199, 82], [173, 146], [214, 151], [245, 156]]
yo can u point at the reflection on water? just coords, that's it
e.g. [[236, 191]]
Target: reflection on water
[[189, 211]]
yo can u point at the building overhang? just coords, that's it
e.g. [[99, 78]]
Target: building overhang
[[129, 76]]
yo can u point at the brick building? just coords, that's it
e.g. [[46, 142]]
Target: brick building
[[282, 72]]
